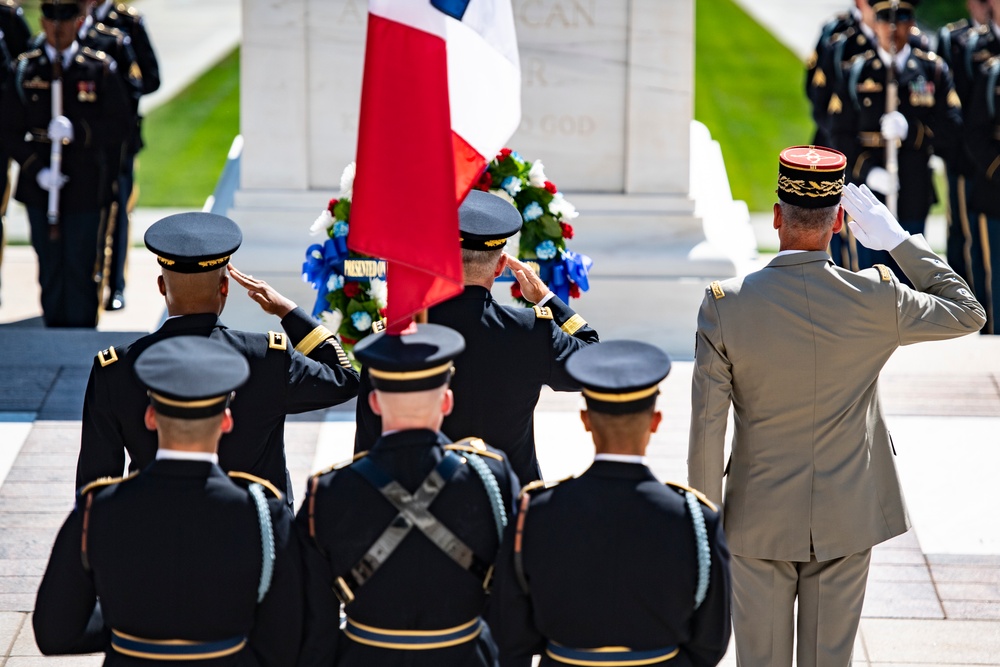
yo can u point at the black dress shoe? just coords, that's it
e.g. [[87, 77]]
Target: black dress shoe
[[116, 301]]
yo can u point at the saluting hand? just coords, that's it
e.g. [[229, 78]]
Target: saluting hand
[[269, 298], [873, 224], [533, 288]]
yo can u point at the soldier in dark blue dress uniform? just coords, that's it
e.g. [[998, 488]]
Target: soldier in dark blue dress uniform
[[614, 567], [927, 120], [841, 40], [510, 353], [179, 562], [405, 536], [300, 369], [14, 36], [123, 17], [94, 121], [982, 142], [952, 41]]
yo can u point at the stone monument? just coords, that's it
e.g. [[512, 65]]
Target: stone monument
[[607, 104]]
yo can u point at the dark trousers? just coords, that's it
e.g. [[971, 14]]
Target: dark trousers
[[4, 199], [984, 250], [959, 227], [868, 258], [66, 267], [120, 238]]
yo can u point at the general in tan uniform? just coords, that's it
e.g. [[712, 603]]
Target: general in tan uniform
[[796, 349]]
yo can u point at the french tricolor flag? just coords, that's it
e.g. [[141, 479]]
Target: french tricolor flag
[[441, 96]]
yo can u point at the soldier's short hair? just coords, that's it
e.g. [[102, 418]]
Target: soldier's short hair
[[478, 265], [808, 219]]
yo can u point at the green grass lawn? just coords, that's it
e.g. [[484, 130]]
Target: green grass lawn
[[188, 138], [749, 91]]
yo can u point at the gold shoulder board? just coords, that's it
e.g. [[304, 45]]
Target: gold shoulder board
[[472, 449], [276, 340], [717, 290], [341, 465], [543, 313], [259, 480], [378, 326], [105, 481], [107, 357], [884, 272], [697, 494]]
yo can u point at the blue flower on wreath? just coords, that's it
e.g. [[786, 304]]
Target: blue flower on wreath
[[546, 250], [532, 211], [340, 228], [512, 184], [361, 320], [335, 282]]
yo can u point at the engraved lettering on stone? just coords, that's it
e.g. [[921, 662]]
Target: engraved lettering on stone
[[533, 73], [556, 13]]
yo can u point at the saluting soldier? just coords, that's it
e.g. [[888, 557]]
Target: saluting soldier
[[952, 42], [927, 120], [94, 121], [179, 562], [406, 535], [614, 567], [127, 19], [510, 353], [300, 369], [14, 36], [796, 350]]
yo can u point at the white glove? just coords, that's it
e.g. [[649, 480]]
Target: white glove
[[47, 180], [879, 180], [61, 129], [894, 126], [872, 224]]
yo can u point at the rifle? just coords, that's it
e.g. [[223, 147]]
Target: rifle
[[55, 152], [892, 104]]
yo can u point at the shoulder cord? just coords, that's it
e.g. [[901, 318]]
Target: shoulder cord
[[492, 491], [701, 545], [266, 540]]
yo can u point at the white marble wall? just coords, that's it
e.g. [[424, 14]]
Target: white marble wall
[[607, 95]]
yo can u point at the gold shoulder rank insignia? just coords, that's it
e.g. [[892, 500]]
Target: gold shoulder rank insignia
[[835, 105], [105, 481], [378, 326], [573, 324], [258, 480], [313, 339], [870, 86], [819, 79], [717, 290], [543, 313], [697, 494], [954, 101], [472, 446], [107, 357], [883, 272], [340, 465], [276, 340]]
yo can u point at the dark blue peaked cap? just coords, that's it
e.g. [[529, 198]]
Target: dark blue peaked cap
[[412, 361], [193, 242], [191, 377], [619, 376], [486, 221]]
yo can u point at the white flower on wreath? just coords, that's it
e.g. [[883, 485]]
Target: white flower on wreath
[[347, 181], [503, 195], [537, 174], [322, 223], [361, 320], [332, 319], [377, 290], [335, 282], [559, 207]]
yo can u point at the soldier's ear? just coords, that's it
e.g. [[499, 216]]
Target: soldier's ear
[[839, 222], [777, 216], [585, 418], [655, 421], [501, 265], [447, 402], [224, 285], [162, 285], [227, 421], [149, 419], [374, 404]]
